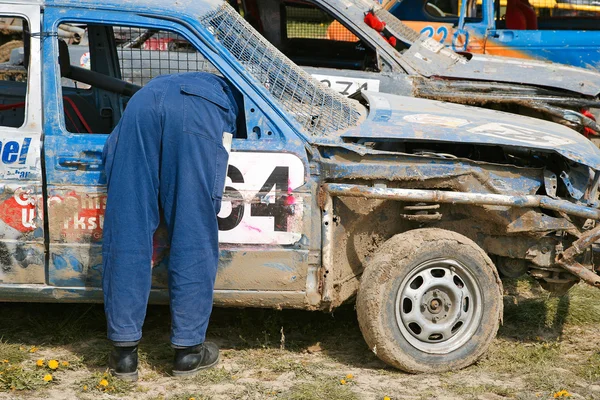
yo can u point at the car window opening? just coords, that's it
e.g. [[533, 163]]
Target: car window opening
[[14, 57], [95, 92]]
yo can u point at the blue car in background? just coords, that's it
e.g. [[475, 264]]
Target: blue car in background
[[566, 32]]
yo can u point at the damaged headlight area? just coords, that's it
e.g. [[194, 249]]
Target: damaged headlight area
[[532, 212]]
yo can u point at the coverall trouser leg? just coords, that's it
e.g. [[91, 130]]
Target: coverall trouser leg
[[167, 150]]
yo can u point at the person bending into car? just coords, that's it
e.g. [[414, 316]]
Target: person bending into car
[[166, 154]]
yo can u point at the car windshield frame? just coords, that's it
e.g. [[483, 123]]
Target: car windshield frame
[[318, 109]]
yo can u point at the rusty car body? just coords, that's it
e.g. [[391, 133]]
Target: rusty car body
[[328, 198]]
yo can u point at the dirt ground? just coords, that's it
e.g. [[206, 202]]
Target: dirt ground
[[547, 348]]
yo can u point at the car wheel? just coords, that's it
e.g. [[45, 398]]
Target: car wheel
[[430, 300]]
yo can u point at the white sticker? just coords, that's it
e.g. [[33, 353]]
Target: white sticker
[[259, 206], [85, 60], [428, 119], [19, 155], [432, 45], [422, 57], [347, 85], [520, 134]]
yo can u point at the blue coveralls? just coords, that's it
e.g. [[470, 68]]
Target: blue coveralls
[[166, 154]]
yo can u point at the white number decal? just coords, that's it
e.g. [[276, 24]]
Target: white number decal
[[520, 134], [258, 205], [346, 85]]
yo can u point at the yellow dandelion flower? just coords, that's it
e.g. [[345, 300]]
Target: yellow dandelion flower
[[47, 378], [85, 387], [562, 393], [103, 383], [343, 381], [192, 398], [64, 363], [33, 349], [349, 376], [40, 362], [386, 398], [52, 364]]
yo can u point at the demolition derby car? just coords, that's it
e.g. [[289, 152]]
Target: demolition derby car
[[336, 43], [413, 207], [563, 31]]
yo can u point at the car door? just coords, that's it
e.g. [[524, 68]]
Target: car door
[[265, 222], [22, 253], [567, 33]]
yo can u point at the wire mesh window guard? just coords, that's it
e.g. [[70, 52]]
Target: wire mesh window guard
[[145, 54], [318, 109], [307, 22]]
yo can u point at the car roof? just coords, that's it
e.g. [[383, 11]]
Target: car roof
[[195, 8]]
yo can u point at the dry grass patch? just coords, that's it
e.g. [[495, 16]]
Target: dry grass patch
[[14, 353], [212, 376], [320, 389], [590, 369], [474, 391]]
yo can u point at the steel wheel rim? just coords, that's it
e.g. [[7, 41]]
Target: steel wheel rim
[[438, 306]]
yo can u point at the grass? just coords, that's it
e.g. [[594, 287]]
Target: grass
[[473, 391], [184, 396], [546, 344], [278, 361], [545, 315], [539, 333], [103, 382], [14, 353], [19, 378], [505, 356], [320, 389], [554, 380], [590, 369], [212, 376]]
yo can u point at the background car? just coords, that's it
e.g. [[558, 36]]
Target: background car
[[566, 31], [333, 42]]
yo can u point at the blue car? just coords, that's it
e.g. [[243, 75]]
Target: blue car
[[561, 31], [413, 208]]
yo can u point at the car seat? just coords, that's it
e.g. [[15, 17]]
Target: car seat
[[520, 15]]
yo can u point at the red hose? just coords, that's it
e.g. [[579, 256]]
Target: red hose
[[4, 107]]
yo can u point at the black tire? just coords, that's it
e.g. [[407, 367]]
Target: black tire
[[393, 292]]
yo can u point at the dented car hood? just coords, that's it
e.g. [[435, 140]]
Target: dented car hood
[[430, 58], [413, 119]]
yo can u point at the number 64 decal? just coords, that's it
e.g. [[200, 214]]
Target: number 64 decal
[[259, 206]]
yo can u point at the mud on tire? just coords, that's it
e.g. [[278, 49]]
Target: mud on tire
[[430, 300]]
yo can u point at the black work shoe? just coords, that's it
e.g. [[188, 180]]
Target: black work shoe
[[123, 362], [190, 360]]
